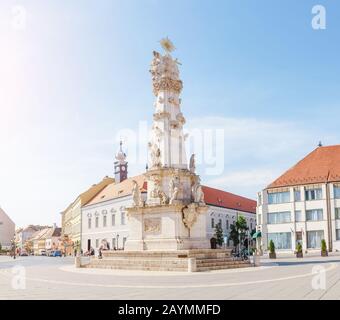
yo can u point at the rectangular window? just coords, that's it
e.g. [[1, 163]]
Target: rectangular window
[[89, 223], [337, 231], [212, 223], [97, 243], [337, 213], [282, 240], [279, 217], [124, 240], [297, 195], [113, 220], [314, 239], [314, 215], [220, 222], [279, 197], [313, 194], [298, 216], [104, 221], [113, 243], [123, 218], [227, 222], [97, 222], [337, 192]]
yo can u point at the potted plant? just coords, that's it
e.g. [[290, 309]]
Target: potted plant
[[324, 252], [272, 254], [299, 253]]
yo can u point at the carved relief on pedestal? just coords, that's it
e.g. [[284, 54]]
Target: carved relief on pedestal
[[190, 215], [152, 225]]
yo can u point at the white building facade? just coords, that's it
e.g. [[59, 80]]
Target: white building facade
[[106, 220], [303, 205], [7, 230]]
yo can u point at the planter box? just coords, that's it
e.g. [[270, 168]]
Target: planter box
[[272, 255], [299, 254], [324, 253]]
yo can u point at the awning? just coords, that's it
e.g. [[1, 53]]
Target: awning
[[257, 234]]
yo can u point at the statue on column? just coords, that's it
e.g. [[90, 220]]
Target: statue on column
[[136, 195], [155, 154], [197, 192], [173, 189], [192, 165]]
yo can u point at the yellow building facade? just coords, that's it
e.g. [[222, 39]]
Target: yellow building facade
[[71, 217]]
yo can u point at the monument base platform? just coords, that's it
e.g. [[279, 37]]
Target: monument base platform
[[193, 260]]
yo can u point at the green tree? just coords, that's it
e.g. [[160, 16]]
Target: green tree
[[0, 247], [219, 234], [271, 246], [238, 231]]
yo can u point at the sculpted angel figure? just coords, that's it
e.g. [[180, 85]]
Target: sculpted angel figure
[[136, 194], [155, 154], [173, 190], [197, 191]]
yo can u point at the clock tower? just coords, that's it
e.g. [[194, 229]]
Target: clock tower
[[120, 165]]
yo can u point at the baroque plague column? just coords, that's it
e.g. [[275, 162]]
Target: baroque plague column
[[174, 215]]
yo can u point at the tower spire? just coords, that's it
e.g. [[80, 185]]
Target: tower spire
[[120, 164]]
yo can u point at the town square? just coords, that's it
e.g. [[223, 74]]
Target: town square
[[189, 165]]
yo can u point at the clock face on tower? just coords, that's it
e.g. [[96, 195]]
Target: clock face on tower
[[123, 168]]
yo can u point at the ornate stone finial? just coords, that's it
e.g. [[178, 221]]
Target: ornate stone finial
[[167, 45], [320, 144]]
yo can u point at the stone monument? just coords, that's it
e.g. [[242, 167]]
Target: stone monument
[[168, 230], [174, 214]]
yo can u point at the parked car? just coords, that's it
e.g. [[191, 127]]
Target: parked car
[[56, 253], [23, 253], [43, 252]]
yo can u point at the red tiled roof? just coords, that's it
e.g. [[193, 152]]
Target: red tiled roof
[[117, 190], [216, 197], [320, 166], [212, 196]]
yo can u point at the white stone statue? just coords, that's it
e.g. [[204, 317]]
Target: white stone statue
[[156, 187], [164, 198], [155, 154], [197, 192], [192, 165], [173, 190], [136, 195]]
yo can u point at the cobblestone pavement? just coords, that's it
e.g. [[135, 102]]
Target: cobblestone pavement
[[57, 278]]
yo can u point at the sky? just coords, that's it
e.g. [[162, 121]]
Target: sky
[[74, 80]]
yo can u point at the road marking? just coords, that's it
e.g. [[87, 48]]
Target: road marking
[[228, 284]]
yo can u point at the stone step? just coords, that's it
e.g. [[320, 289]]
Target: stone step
[[136, 267], [140, 262], [223, 267], [220, 263]]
